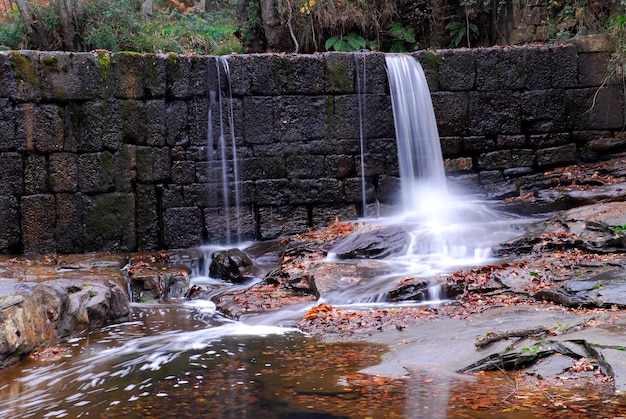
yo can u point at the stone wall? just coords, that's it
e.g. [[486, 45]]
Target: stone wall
[[109, 152]]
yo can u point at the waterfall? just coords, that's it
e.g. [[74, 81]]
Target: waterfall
[[218, 148], [419, 150]]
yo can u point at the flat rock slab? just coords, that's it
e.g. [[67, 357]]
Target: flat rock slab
[[448, 345]]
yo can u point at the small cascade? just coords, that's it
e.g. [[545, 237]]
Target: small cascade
[[221, 111], [419, 149]]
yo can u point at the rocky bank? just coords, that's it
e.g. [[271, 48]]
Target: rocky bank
[[552, 304]]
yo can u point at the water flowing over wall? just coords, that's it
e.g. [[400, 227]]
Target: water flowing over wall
[[109, 152]]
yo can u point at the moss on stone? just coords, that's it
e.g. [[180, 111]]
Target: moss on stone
[[51, 61], [24, 68], [339, 78], [107, 221], [104, 65]]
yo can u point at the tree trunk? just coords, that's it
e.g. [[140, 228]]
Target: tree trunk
[[66, 20], [34, 27], [146, 9], [276, 32]]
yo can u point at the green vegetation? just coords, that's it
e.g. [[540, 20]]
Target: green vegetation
[[120, 25], [225, 26]]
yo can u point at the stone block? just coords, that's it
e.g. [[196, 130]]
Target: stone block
[[182, 227], [266, 167], [233, 226], [595, 108], [124, 168], [500, 159], [495, 113], [272, 221], [26, 73], [11, 173], [592, 69], [8, 132], [77, 76], [377, 116], [303, 166], [273, 192], [178, 73], [40, 127], [303, 74], [176, 124], [8, 81], [451, 146], [315, 191], [63, 172], [458, 165], [500, 69], [354, 190], [207, 195], [375, 73], [539, 63], [96, 172], [10, 237], [148, 217], [109, 222], [510, 141], [155, 75], [35, 174], [97, 126], [490, 176], [258, 113], [388, 190], [153, 164], [68, 231], [544, 111], [549, 140], [556, 155], [564, 67], [38, 223], [183, 172], [301, 117], [155, 123], [523, 158], [594, 43], [207, 74], [453, 69], [479, 143], [341, 71], [452, 112]]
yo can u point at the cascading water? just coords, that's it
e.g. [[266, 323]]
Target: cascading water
[[446, 232], [218, 148], [417, 137]]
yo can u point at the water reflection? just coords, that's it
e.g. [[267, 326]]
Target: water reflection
[[184, 360]]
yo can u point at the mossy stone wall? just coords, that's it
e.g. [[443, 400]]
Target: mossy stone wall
[[111, 152]]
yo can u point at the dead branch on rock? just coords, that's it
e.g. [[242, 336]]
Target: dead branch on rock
[[519, 333]]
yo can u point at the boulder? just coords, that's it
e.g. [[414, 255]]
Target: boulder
[[374, 244], [231, 265]]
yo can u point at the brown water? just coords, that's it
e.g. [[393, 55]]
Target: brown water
[[184, 360]]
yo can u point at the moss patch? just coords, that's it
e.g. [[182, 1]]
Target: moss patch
[[25, 69]]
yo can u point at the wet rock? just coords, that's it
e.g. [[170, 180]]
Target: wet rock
[[156, 284], [231, 265], [375, 244], [605, 290], [33, 315], [448, 344]]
